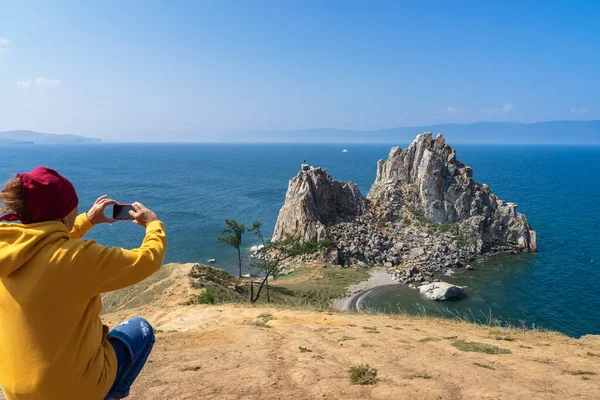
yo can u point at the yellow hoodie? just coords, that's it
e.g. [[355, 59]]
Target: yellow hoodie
[[52, 341]]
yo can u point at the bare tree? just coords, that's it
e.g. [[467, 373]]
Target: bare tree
[[274, 253]]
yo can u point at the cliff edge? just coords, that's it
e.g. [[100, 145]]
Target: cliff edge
[[314, 200], [428, 178]]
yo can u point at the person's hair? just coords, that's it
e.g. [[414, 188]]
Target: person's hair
[[12, 198]]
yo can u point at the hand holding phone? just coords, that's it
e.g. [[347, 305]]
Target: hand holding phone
[[121, 211], [136, 212]]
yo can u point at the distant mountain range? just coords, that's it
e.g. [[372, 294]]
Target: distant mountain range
[[31, 137], [551, 132]]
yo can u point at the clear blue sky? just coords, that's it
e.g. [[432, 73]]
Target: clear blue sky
[[185, 70]]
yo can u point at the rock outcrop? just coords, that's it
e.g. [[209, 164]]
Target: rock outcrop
[[427, 178], [423, 214], [441, 291], [314, 200]]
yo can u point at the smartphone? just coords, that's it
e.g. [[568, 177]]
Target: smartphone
[[121, 211]]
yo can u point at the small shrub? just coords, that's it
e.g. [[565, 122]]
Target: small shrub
[[429, 339], [507, 338], [158, 331], [207, 297], [525, 347], [397, 328], [259, 323], [192, 368], [370, 328], [589, 353], [363, 374], [482, 365], [344, 338], [266, 317], [422, 375], [585, 378], [318, 357], [480, 347], [304, 350], [543, 361]]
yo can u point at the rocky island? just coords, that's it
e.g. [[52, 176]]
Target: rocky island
[[424, 213]]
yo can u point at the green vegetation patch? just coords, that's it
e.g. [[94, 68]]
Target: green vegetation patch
[[363, 374], [480, 347], [331, 282], [207, 297], [325, 283], [304, 350]]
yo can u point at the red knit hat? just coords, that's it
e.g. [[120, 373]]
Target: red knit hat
[[47, 195]]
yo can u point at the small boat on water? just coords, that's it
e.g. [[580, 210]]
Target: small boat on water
[[212, 260], [344, 151]]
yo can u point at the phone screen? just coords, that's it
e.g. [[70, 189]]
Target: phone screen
[[121, 211]]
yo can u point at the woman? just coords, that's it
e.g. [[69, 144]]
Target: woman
[[52, 341]]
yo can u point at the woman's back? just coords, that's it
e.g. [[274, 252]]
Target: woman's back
[[51, 334]]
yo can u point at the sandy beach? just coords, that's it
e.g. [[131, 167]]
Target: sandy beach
[[379, 277]]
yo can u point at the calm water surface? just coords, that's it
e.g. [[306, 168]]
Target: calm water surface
[[193, 187]]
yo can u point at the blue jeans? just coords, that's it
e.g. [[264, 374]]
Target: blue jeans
[[132, 341]]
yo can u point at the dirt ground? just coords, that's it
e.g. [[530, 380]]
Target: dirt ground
[[246, 352]]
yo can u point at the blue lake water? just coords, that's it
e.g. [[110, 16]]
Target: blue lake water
[[194, 187]]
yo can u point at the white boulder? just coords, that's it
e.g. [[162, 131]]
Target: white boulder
[[441, 291]]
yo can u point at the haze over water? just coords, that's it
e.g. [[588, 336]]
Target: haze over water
[[193, 187]]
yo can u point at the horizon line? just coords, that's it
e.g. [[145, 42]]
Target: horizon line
[[336, 129]]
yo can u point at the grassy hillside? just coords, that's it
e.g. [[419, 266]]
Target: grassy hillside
[[238, 351]]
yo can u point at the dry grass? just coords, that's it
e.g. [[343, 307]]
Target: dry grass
[[420, 375], [480, 348], [363, 374], [226, 343], [579, 372], [482, 365], [430, 339]]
